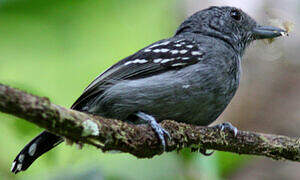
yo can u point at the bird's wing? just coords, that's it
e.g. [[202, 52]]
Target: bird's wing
[[162, 56]]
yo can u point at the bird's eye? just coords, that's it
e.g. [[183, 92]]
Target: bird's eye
[[236, 14]]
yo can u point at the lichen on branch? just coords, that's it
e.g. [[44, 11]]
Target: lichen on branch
[[140, 140]]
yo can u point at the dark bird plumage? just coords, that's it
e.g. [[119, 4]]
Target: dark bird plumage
[[190, 77]]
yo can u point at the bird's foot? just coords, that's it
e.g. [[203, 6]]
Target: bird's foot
[[227, 126], [205, 153], [202, 150], [161, 132], [223, 127]]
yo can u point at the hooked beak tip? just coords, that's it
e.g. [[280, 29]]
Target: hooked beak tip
[[268, 32]]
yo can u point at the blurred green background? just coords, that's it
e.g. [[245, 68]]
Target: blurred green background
[[54, 48]]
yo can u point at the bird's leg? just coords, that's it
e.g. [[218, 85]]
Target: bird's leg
[[227, 126], [145, 118], [223, 126]]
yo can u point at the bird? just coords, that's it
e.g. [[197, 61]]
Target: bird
[[190, 77]]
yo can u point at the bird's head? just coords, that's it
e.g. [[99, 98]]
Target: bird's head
[[229, 24]]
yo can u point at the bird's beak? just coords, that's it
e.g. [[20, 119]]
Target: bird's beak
[[268, 32]]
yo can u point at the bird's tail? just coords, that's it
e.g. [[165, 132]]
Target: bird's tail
[[38, 146]]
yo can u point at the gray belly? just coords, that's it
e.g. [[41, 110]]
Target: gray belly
[[191, 95]]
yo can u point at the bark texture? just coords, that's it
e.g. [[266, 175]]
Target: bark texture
[[140, 140]]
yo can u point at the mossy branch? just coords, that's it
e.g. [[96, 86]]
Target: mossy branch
[[140, 140]]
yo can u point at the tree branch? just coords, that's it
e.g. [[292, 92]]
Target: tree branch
[[140, 140]]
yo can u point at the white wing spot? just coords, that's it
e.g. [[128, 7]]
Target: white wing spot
[[13, 166], [178, 64], [165, 43], [127, 63], [32, 149], [174, 51], [164, 50], [147, 50], [196, 53], [140, 61], [157, 60], [156, 50], [166, 60], [185, 58], [179, 40], [160, 44], [21, 158], [183, 51], [160, 50], [19, 167], [177, 45], [186, 86], [189, 46]]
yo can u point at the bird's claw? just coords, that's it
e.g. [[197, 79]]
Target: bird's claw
[[204, 152], [227, 126], [160, 131], [166, 133]]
